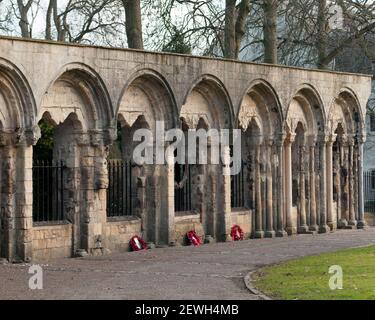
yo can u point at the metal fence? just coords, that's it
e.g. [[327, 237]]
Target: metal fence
[[119, 194], [238, 188], [182, 192], [369, 190], [48, 204]]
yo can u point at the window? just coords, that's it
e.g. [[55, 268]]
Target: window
[[372, 122], [373, 179], [48, 176]]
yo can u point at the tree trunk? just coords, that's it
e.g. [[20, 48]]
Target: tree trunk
[[133, 23], [48, 21], [24, 20], [243, 13], [321, 44], [270, 31], [230, 30]]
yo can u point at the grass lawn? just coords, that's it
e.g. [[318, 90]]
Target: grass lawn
[[308, 278]]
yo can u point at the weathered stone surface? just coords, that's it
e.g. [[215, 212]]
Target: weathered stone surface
[[302, 131]]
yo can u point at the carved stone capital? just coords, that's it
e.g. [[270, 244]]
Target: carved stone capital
[[331, 138], [290, 137], [361, 138], [8, 138], [29, 137]]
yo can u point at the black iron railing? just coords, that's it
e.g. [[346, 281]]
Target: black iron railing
[[182, 191], [119, 194], [48, 198], [238, 188], [369, 190]]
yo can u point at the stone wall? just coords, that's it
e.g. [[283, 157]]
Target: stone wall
[[118, 234], [186, 223], [50, 242], [370, 219], [293, 120], [243, 218]]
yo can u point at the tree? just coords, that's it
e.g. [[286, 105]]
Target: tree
[[235, 23], [177, 44], [270, 30], [83, 21], [133, 23], [24, 11], [5, 17]]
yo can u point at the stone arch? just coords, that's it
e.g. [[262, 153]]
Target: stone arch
[[344, 154], [78, 89], [261, 120], [148, 94], [345, 110], [17, 104], [306, 107], [305, 122], [260, 104], [209, 100]]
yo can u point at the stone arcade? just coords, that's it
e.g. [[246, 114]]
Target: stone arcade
[[302, 147]]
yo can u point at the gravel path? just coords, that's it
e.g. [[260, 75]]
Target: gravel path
[[214, 271]]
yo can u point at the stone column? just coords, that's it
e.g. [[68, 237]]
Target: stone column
[[303, 228], [24, 201], [270, 232], [170, 197], [227, 208], [323, 228], [290, 228], [313, 219], [361, 216], [280, 183], [330, 221], [352, 223], [140, 206], [259, 233], [90, 224], [344, 181], [337, 182], [7, 200]]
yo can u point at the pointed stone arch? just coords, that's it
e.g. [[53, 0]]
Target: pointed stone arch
[[78, 89], [207, 99], [147, 93], [346, 110], [17, 104], [306, 107], [261, 104]]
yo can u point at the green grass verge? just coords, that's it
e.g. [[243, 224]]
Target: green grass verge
[[308, 278]]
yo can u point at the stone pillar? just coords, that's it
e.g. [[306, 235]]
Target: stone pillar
[[227, 208], [313, 219], [7, 200], [280, 183], [323, 228], [303, 228], [361, 216], [330, 221], [259, 233], [352, 223], [24, 201], [91, 222], [290, 228], [170, 199], [344, 181], [140, 206], [337, 181], [270, 232]]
